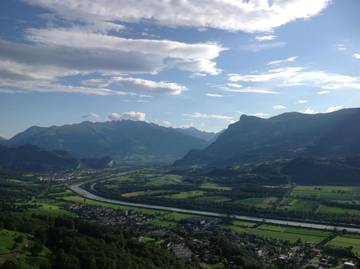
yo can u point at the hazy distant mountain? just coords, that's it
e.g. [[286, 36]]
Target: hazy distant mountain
[[123, 140], [2, 140], [207, 136], [32, 158], [286, 136]]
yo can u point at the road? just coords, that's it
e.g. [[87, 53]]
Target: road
[[86, 194]]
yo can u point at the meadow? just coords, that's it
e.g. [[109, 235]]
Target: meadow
[[18, 246], [347, 241], [291, 234]]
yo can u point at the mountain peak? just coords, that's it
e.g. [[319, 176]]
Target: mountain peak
[[124, 140], [285, 136]]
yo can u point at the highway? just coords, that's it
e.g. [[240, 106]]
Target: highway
[[86, 194]]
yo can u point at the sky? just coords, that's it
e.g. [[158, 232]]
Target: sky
[[178, 63]]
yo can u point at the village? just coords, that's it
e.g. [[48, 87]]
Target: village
[[194, 238]]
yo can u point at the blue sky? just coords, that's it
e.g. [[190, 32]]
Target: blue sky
[[175, 63]]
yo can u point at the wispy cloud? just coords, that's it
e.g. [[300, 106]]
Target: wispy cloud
[[150, 85], [256, 47], [295, 76], [287, 60], [356, 56], [310, 111], [279, 107], [334, 108], [341, 47], [248, 16], [261, 115], [262, 38], [131, 115], [238, 88], [214, 95], [200, 115], [91, 116]]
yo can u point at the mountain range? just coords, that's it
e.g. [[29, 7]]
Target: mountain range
[[125, 140], [31, 158], [286, 136], [27, 158]]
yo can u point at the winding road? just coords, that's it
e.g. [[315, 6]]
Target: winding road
[[86, 194]]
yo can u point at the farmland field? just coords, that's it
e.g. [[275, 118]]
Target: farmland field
[[185, 195], [346, 241], [282, 233], [327, 192], [197, 192], [263, 202]]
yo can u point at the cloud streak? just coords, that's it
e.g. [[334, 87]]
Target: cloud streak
[[131, 115], [296, 76], [199, 115], [248, 16]]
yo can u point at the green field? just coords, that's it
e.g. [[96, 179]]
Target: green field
[[213, 199], [164, 180], [185, 195], [262, 202], [298, 205], [327, 192], [337, 211], [214, 186], [346, 241], [16, 246], [243, 223], [291, 234]]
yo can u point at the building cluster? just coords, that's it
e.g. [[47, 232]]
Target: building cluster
[[191, 239]]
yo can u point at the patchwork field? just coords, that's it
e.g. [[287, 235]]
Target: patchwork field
[[263, 202], [347, 241], [327, 192], [290, 234], [185, 195]]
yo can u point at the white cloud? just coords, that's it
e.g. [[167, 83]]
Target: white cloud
[[39, 66], [323, 92], [334, 108], [256, 47], [131, 115], [166, 123], [260, 115], [356, 56], [199, 115], [302, 101], [279, 107], [295, 76], [341, 47], [196, 57], [214, 95], [246, 90], [234, 85], [288, 60], [150, 85], [231, 15], [265, 38], [310, 111], [91, 116]]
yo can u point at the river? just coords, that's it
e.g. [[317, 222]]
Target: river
[[86, 194]]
